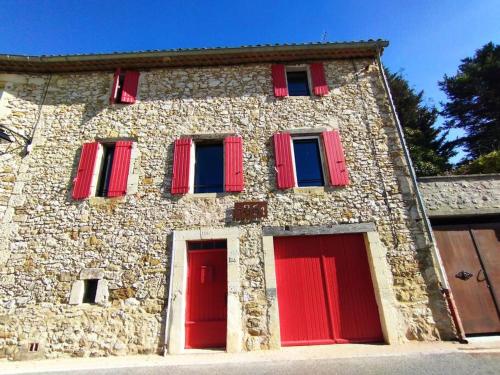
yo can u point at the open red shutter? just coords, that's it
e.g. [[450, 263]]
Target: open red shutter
[[83, 179], [119, 169], [279, 80], [320, 86], [283, 160], [130, 84], [116, 79], [233, 164], [335, 158], [182, 161]]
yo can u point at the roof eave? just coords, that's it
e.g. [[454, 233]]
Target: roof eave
[[191, 57]]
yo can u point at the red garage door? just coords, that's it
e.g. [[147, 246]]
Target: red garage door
[[206, 307], [325, 293]]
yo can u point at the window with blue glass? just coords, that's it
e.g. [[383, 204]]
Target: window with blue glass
[[308, 162], [298, 83], [209, 168]]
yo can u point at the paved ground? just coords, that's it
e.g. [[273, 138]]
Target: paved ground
[[428, 364], [440, 358]]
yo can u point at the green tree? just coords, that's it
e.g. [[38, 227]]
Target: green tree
[[426, 142], [474, 101]]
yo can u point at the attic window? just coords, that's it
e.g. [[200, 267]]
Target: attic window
[[90, 290], [125, 85]]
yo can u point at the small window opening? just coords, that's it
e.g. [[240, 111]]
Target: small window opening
[[33, 346], [206, 245], [308, 162], [90, 290], [119, 90], [209, 168], [108, 151], [298, 83]]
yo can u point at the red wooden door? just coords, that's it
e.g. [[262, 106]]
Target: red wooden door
[[462, 250], [325, 293], [206, 307]]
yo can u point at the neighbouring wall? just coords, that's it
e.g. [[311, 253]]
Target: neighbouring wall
[[461, 195]]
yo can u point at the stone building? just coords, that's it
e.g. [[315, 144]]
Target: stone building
[[243, 198]]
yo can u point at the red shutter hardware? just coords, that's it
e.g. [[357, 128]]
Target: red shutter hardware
[[283, 160], [233, 164], [279, 80], [83, 179], [334, 151], [120, 169], [116, 79], [320, 87], [130, 84], [182, 161]]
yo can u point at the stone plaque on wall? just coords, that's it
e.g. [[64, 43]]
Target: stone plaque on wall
[[249, 211]]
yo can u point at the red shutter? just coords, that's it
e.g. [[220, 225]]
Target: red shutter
[[335, 158], [283, 160], [182, 161], [130, 87], [233, 164], [279, 80], [120, 169], [320, 86], [116, 79], [83, 179]]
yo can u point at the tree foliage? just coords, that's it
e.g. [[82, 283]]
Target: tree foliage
[[427, 144], [474, 101], [488, 163]]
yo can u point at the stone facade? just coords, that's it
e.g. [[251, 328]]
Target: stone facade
[[48, 239], [461, 195]]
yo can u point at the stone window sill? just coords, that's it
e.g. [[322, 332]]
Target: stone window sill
[[202, 195], [316, 190]]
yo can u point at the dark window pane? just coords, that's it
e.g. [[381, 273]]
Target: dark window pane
[[105, 172], [207, 245], [308, 162], [209, 168], [90, 290], [297, 84]]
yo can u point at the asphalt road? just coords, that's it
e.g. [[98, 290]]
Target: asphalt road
[[428, 364]]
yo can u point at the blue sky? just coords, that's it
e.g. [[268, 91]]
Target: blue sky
[[428, 37]]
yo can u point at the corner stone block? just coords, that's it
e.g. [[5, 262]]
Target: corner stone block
[[76, 296]]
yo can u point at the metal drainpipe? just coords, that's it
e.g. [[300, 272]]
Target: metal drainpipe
[[443, 280], [169, 301]]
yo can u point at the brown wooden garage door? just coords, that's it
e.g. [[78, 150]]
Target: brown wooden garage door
[[471, 257]]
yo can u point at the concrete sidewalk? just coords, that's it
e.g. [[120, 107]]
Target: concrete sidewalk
[[207, 357]]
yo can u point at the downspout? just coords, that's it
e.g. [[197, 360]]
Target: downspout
[[443, 280], [169, 300]]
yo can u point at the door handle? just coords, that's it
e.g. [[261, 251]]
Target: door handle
[[479, 274], [463, 275]]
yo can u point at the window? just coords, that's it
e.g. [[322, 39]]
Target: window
[[90, 291], [103, 170], [108, 151], [209, 168], [298, 82], [308, 166], [125, 85], [299, 160]]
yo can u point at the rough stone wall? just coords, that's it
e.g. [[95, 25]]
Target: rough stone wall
[[54, 237], [461, 195]]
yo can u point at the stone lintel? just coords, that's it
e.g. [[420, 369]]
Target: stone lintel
[[318, 230]]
